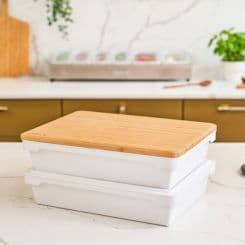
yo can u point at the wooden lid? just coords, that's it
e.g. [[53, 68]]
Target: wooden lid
[[124, 133]]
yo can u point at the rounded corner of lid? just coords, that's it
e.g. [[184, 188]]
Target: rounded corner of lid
[[23, 136], [213, 126], [174, 154]]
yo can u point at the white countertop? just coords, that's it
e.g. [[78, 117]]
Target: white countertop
[[217, 218], [41, 88]]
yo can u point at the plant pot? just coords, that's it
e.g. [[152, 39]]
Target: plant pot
[[234, 71]]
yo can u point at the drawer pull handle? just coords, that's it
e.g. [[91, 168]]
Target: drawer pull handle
[[3, 108], [122, 108], [228, 108]]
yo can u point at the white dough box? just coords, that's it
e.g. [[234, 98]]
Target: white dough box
[[145, 151], [145, 204]]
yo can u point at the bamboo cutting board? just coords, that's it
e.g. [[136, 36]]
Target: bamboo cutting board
[[14, 44], [123, 133]]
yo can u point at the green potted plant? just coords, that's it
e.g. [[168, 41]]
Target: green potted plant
[[59, 12], [229, 45]]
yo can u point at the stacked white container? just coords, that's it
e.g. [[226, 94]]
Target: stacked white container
[[82, 167]]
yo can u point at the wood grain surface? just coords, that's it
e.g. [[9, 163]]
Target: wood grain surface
[[146, 107], [123, 133], [24, 114], [14, 44], [230, 124]]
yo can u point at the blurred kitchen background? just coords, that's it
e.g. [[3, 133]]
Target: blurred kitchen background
[[112, 25]]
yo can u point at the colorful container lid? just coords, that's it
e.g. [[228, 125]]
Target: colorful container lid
[[123, 133]]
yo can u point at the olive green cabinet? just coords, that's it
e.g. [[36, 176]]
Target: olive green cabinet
[[17, 116], [155, 108], [229, 115]]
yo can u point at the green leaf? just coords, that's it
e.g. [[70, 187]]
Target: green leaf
[[229, 45], [59, 12]]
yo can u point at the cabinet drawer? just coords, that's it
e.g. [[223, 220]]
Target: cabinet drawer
[[155, 108], [229, 115], [90, 105], [17, 116]]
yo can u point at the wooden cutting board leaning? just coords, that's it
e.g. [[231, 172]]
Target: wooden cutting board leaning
[[14, 44]]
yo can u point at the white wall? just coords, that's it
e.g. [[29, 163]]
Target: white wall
[[135, 24]]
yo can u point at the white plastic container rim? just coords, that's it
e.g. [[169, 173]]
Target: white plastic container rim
[[170, 163], [128, 168], [39, 178]]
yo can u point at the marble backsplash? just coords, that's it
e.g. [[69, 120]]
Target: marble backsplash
[[112, 25]]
